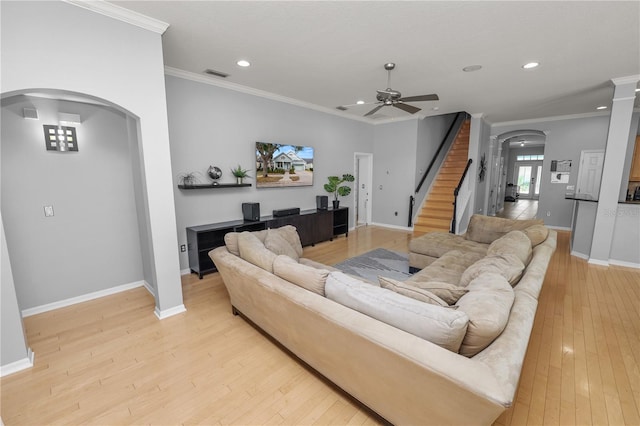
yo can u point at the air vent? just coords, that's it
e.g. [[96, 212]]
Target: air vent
[[216, 73], [341, 108], [30, 113]]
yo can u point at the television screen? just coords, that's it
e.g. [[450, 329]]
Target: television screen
[[279, 165]]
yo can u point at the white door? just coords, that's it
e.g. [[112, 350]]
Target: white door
[[362, 188], [527, 177], [590, 173]]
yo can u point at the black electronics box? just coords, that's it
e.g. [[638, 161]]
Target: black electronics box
[[286, 212], [322, 202], [251, 211]]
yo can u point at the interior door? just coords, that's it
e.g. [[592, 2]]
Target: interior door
[[525, 179], [363, 189], [590, 173]]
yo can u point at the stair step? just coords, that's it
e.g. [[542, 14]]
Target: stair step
[[436, 214], [423, 229]]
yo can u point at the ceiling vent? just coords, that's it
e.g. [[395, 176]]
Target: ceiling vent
[[341, 108], [30, 113], [216, 73]]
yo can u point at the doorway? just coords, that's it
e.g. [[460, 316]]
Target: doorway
[[527, 176], [362, 187], [590, 173]]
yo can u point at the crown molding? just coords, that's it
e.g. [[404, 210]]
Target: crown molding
[[188, 75], [120, 13], [630, 79], [545, 119]]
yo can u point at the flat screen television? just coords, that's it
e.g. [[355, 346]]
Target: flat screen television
[[280, 165]]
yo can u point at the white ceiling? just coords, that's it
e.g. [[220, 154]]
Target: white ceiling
[[330, 53]]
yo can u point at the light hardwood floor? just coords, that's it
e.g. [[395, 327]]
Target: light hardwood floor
[[111, 361]]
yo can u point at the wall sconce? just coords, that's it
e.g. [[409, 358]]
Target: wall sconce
[[66, 119]]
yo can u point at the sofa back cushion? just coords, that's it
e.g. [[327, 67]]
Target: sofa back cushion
[[537, 234], [290, 234], [307, 277], [231, 240], [411, 291], [488, 304], [515, 242], [487, 229], [277, 243], [508, 265], [253, 251], [443, 326]]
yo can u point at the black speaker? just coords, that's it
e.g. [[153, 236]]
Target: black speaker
[[251, 211], [286, 212], [322, 202]]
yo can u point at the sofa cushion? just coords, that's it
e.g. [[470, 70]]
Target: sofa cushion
[[231, 240], [450, 293], [317, 265], [488, 305], [442, 326], [290, 233], [411, 291], [537, 234], [253, 251], [277, 243], [448, 268], [508, 265], [307, 277], [487, 229], [515, 242], [436, 244]]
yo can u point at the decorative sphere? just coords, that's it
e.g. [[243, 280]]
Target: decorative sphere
[[214, 172]]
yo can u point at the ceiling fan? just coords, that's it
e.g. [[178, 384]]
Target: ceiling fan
[[394, 98]]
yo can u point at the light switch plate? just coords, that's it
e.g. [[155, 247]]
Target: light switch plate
[[48, 211], [571, 187]]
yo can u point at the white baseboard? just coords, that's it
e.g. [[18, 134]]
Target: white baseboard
[[598, 262], [559, 228], [185, 271], [386, 225], [79, 299], [580, 255], [19, 365], [169, 312], [149, 288], [624, 263]]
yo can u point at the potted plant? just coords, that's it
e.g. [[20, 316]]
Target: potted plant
[[240, 174], [188, 179], [334, 187]]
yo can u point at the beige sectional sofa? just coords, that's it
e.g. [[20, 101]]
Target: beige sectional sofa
[[444, 347]]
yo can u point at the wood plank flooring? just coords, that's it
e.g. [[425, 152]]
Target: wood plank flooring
[[111, 361]]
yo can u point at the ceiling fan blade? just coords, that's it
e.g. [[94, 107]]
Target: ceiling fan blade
[[408, 108], [421, 98], [373, 111]]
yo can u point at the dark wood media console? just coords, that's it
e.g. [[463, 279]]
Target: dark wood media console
[[313, 226]]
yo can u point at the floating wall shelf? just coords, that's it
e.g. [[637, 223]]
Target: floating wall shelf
[[211, 186]]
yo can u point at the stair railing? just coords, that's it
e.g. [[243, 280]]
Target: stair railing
[[456, 192], [456, 124]]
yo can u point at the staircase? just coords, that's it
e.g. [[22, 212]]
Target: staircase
[[437, 210]]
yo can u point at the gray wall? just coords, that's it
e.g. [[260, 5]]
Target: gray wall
[[394, 170], [431, 131], [565, 141], [92, 242], [484, 147], [210, 125]]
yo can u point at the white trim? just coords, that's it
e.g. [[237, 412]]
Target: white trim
[[545, 119], [79, 299], [624, 263], [169, 312], [149, 288], [580, 255], [559, 228], [598, 262], [386, 225], [185, 271], [121, 14], [19, 365], [630, 79]]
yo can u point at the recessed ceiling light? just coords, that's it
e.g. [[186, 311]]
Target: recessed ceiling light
[[521, 143], [601, 107], [243, 63], [530, 65], [436, 108], [472, 68], [360, 102]]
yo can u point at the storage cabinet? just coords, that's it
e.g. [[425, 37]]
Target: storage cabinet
[[313, 226]]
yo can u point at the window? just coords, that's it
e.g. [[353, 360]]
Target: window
[[539, 157]]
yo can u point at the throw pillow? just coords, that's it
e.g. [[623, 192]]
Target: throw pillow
[[290, 233], [488, 305], [231, 240], [508, 265], [537, 234], [277, 243], [515, 242], [411, 291], [442, 326], [253, 251], [450, 293], [304, 276]]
